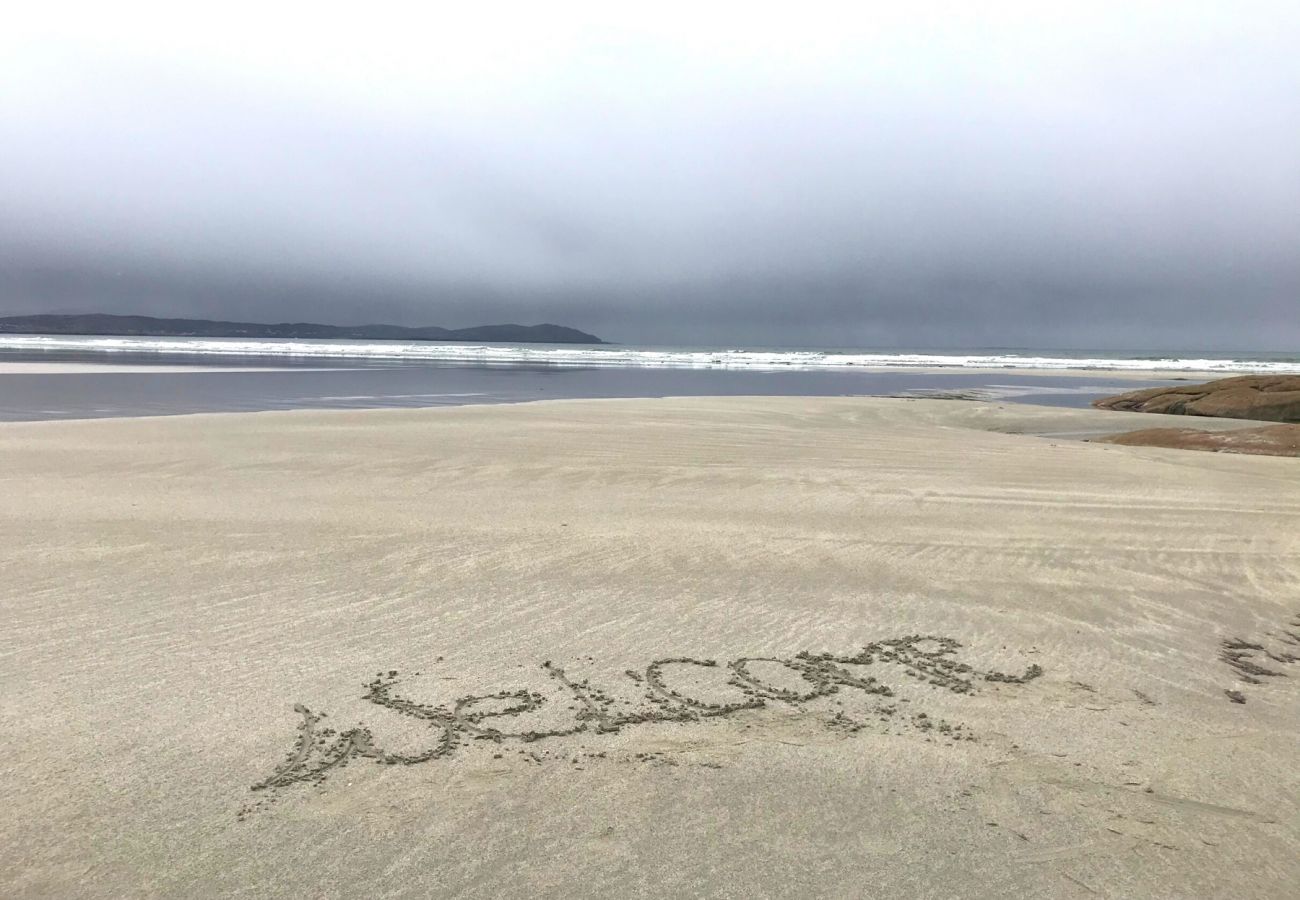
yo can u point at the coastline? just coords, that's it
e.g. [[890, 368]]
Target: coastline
[[84, 386], [176, 586]]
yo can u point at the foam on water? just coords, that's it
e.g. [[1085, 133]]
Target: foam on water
[[614, 356]]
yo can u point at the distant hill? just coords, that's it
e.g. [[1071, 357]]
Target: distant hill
[[148, 325]]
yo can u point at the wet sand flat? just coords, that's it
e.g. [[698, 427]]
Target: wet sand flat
[[21, 367], [706, 647]]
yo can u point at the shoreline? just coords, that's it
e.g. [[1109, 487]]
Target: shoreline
[[996, 416], [73, 390]]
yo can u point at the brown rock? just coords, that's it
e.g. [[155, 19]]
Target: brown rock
[[1271, 398], [1271, 440]]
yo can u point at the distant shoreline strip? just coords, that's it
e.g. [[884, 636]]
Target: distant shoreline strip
[[613, 357]]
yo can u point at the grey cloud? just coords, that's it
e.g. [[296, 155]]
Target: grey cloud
[[1141, 192]]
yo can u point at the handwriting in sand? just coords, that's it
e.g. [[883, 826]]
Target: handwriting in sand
[[1260, 658], [750, 681]]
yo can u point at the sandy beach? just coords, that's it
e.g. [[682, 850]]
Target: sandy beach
[[706, 647]]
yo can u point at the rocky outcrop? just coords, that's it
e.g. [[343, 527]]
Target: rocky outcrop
[[1271, 398], [1271, 440]]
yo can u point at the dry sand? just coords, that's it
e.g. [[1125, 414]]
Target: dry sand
[[172, 588]]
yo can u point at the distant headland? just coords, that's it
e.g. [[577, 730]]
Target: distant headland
[[148, 325]]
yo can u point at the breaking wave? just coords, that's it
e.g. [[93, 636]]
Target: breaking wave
[[580, 356]]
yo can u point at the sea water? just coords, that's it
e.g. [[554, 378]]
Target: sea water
[[617, 355], [279, 374]]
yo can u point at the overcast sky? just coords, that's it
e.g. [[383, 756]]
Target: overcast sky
[[1084, 175]]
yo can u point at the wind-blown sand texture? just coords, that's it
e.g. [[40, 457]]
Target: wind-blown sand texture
[[740, 647]]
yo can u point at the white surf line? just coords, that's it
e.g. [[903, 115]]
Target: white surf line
[[739, 359]]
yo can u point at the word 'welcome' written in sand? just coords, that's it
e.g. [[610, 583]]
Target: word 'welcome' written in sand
[[676, 689], [1255, 659]]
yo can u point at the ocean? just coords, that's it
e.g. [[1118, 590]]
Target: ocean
[[138, 376], [619, 355]]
